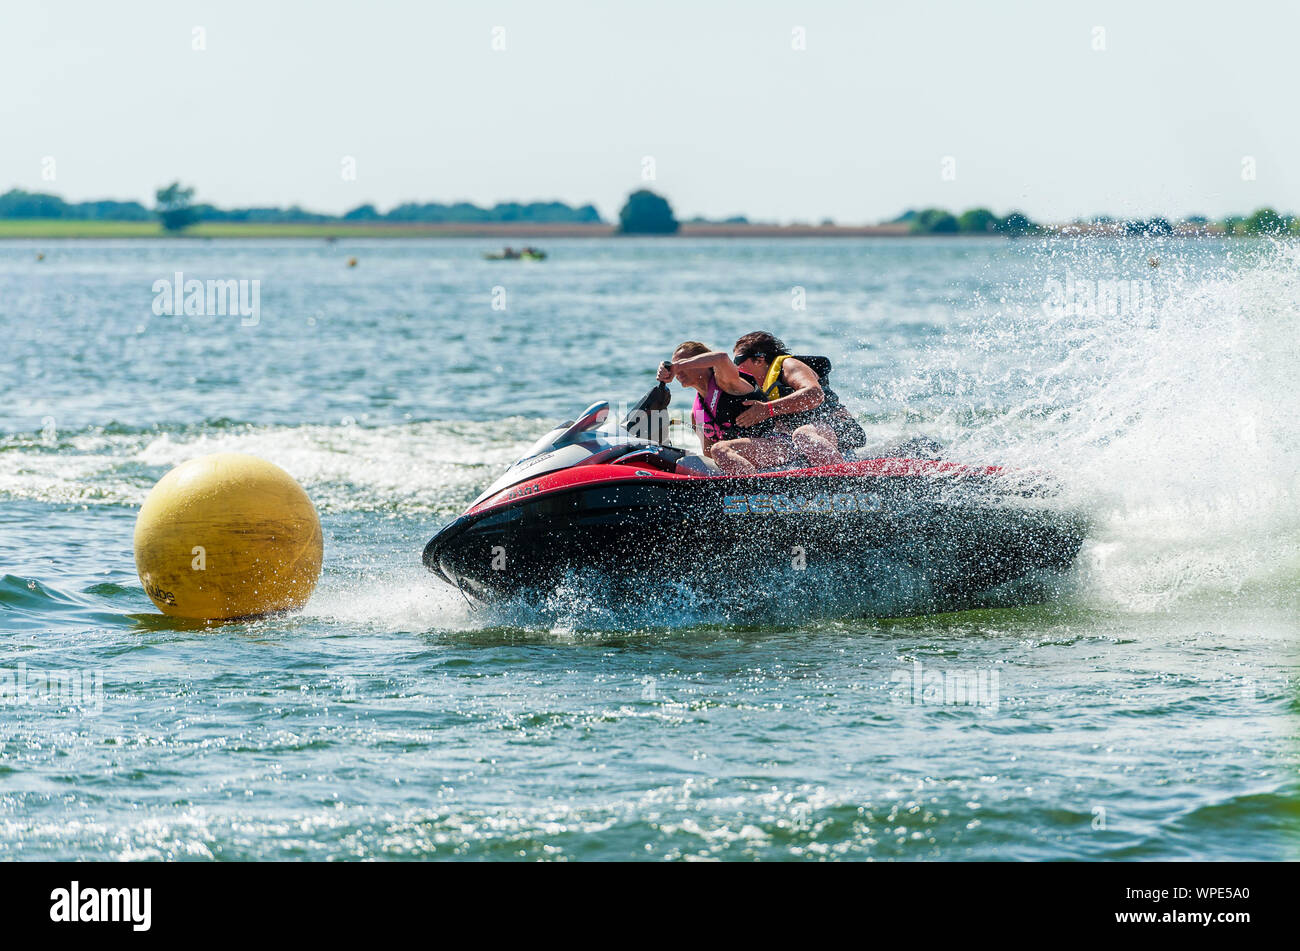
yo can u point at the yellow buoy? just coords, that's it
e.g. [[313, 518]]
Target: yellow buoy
[[227, 536]]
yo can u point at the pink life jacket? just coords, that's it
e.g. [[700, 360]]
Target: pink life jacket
[[715, 414]]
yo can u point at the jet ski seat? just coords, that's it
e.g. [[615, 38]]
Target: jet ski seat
[[669, 459], [694, 462]]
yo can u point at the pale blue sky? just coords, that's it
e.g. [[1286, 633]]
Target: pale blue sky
[[855, 127]]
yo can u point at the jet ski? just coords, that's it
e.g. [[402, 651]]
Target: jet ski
[[896, 534]]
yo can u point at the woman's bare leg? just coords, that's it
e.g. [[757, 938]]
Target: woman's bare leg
[[747, 456], [818, 444]]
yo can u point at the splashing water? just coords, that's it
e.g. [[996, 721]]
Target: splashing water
[[1176, 423]]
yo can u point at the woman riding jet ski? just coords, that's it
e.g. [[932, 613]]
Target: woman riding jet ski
[[798, 390], [608, 499]]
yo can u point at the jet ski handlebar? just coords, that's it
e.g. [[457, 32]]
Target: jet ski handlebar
[[638, 421]]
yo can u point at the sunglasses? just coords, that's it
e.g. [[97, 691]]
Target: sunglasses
[[741, 358]]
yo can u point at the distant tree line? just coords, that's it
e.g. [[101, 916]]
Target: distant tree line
[[733, 220], [974, 221], [536, 212], [644, 213], [20, 204], [1265, 221], [175, 205]]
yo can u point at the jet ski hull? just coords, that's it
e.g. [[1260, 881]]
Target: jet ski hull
[[955, 532]]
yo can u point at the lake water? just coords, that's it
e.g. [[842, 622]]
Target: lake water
[[1148, 711]]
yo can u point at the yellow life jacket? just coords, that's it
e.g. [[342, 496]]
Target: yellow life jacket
[[831, 411], [773, 377]]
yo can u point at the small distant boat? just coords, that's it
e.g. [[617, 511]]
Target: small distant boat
[[510, 254]]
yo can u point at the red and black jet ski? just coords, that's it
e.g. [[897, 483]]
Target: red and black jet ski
[[597, 495]]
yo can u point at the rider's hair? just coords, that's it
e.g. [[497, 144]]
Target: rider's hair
[[691, 348], [762, 342]]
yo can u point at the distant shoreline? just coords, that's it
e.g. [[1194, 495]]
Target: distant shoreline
[[506, 232]]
